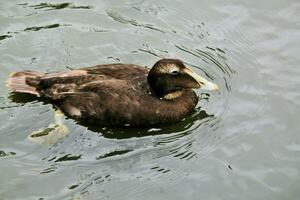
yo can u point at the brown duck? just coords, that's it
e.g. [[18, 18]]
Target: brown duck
[[118, 94]]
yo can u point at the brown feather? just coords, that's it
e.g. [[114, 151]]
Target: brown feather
[[17, 82]]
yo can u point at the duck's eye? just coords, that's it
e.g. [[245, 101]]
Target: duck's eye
[[175, 72]]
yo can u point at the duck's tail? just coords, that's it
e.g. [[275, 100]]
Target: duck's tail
[[18, 82]]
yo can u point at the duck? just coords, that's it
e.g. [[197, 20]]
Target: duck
[[118, 94]]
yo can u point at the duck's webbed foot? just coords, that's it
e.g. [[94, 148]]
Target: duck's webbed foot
[[51, 134]]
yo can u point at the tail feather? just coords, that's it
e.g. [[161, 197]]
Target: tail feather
[[17, 82]]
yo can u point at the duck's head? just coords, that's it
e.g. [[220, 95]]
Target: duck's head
[[169, 76]]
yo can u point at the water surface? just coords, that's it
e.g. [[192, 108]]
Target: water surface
[[241, 143]]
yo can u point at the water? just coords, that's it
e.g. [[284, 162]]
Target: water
[[241, 143]]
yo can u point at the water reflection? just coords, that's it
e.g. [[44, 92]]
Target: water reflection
[[128, 132]]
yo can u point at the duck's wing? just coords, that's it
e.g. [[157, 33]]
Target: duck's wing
[[65, 82], [58, 85], [103, 102], [75, 76]]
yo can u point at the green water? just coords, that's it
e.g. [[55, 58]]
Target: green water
[[241, 143]]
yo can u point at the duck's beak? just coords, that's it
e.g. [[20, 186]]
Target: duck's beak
[[203, 83]]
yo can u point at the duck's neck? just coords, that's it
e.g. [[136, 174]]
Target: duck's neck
[[152, 81], [173, 95], [159, 84]]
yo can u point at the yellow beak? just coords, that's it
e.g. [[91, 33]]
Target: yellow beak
[[203, 83]]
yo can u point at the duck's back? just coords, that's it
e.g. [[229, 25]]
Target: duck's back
[[119, 71]]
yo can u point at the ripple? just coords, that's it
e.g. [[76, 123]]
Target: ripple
[[84, 182], [119, 18], [183, 151], [5, 154], [49, 170], [68, 157], [37, 28], [3, 37], [113, 153], [58, 6], [155, 52], [160, 169], [206, 57], [10, 34], [151, 9]]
